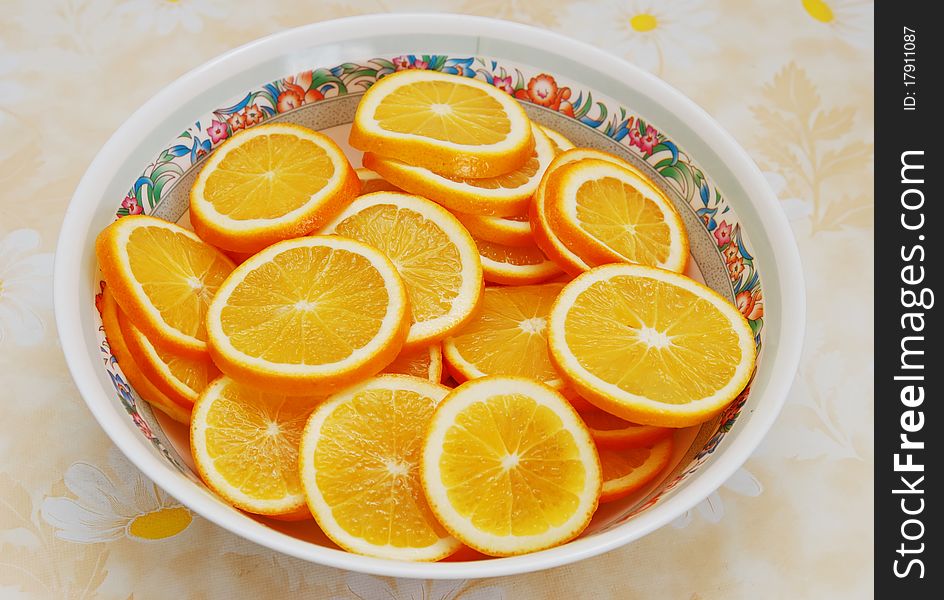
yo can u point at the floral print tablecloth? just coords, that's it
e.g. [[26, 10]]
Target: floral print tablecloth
[[791, 79]]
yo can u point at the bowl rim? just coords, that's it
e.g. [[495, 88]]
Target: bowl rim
[[79, 215]]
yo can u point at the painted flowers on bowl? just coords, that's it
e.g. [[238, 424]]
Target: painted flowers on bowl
[[723, 234], [297, 91], [504, 83], [131, 205], [217, 131], [406, 62], [751, 304], [544, 91], [236, 122]]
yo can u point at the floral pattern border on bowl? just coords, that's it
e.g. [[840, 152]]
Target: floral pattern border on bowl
[[616, 122]]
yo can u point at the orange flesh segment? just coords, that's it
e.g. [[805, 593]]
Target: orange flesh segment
[[511, 180], [628, 470], [194, 373], [266, 314], [432, 285], [619, 215], [511, 255], [240, 440], [179, 275], [541, 491], [368, 456], [444, 111], [619, 463], [654, 340], [509, 335], [268, 177], [417, 362]]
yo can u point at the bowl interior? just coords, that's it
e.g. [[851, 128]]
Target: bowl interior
[[321, 90]]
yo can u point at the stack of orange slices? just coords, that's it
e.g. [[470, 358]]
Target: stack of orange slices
[[318, 376], [469, 147]]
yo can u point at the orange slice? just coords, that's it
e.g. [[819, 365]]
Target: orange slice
[[650, 346], [563, 278], [579, 404], [509, 468], [560, 142], [372, 182], [544, 237], [164, 277], [504, 194], [606, 213], [269, 183], [433, 253], [515, 265], [359, 466], [238, 258], [445, 123], [628, 470], [245, 446], [610, 431], [507, 231], [308, 315], [112, 320], [419, 362], [508, 336], [180, 378]]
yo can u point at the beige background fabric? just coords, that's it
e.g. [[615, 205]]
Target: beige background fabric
[[790, 79]]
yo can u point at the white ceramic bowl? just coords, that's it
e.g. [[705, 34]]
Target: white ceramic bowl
[[741, 242]]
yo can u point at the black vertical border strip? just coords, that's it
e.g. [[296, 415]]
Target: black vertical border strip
[[907, 125]]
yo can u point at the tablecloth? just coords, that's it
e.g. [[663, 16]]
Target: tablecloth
[[790, 79]]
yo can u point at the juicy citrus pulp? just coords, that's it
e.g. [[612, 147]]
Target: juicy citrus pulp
[[499, 195], [164, 276], [181, 378], [515, 265], [508, 467], [432, 252], [359, 464], [604, 212], [446, 123], [629, 469], [649, 345], [269, 183], [419, 362], [307, 315], [545, 238], [245, 445], [508, 336]]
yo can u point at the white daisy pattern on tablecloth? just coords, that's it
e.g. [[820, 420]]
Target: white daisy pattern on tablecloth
[[650, 33], [105, 508], [368, 587], [711, 508], [25, 288], [850, 20], [164, 16]]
